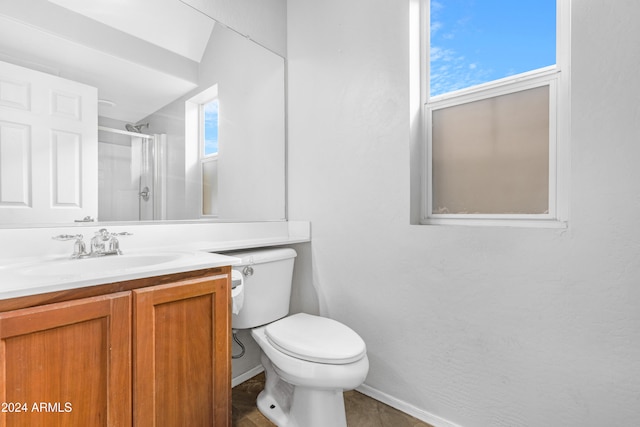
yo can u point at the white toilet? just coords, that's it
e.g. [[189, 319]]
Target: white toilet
[[308, 360]]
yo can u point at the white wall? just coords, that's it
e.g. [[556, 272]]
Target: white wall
[[251, 163], [260, 20], [477, 326]]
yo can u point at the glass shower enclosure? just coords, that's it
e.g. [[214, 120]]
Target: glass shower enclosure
[[131, 175]]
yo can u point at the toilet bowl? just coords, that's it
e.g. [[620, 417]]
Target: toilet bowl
[[306, 393], [308, 360]]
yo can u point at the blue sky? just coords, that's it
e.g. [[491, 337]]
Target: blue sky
[[477, 41], [211, 127]]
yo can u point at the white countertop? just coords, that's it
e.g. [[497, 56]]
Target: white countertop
[[31, 276], [31, 262]]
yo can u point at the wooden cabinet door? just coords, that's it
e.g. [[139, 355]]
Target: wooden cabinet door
[[182, 362], [67, 364]]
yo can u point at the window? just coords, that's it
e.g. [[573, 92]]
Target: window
[[495, 112], [209, 156], [474, 42], [210, 127], [202, 152]]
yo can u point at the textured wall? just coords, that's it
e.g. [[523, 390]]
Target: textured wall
[[479, 326]]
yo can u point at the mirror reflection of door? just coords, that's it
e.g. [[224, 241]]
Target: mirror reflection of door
[[48, 147]]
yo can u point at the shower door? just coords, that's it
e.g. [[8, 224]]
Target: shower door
[[131, 176]]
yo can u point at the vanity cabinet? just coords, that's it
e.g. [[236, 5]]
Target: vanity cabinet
[[139, 353]]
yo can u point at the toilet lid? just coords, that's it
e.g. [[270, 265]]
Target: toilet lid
[[316, 339]]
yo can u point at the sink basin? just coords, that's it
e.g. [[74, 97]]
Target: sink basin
[[109, 263]]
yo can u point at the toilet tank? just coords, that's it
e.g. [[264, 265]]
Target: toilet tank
[[267, 277]]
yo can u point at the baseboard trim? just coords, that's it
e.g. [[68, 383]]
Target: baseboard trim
[[405, 407], [246, 376]]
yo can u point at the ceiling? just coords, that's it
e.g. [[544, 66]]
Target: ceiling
[[140, 54]]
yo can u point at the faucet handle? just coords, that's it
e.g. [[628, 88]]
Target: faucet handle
[[79, 248], [103, 234], [63, 237], [114, 244]]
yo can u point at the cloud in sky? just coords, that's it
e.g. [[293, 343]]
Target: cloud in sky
[[476, 42], [449, 68]]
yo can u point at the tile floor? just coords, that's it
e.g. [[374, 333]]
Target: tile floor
[[362, 411]]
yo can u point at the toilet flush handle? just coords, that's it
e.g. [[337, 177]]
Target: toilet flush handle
[[248, 270]]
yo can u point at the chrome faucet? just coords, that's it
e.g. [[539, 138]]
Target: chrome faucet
[[99, 241], [102, 243], [105, 243]]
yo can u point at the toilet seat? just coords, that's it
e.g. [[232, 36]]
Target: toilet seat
[[316, 339]]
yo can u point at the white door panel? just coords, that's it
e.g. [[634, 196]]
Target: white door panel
[[48, 147]]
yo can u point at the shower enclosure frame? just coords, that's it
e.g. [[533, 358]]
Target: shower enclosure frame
[[152, 168]]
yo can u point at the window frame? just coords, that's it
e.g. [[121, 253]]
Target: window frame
[[205, 159], [555, 76], [195, 158]]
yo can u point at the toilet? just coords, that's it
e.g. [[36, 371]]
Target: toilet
[[308, 360]]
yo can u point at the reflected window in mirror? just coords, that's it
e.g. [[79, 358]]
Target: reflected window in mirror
[[208, 124], [210, 127]]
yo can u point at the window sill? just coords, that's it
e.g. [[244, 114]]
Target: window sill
[[495, 222]]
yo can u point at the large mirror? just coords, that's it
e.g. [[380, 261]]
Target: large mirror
[[190, 116]]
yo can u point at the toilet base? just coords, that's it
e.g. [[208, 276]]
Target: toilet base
[[287, 405]]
